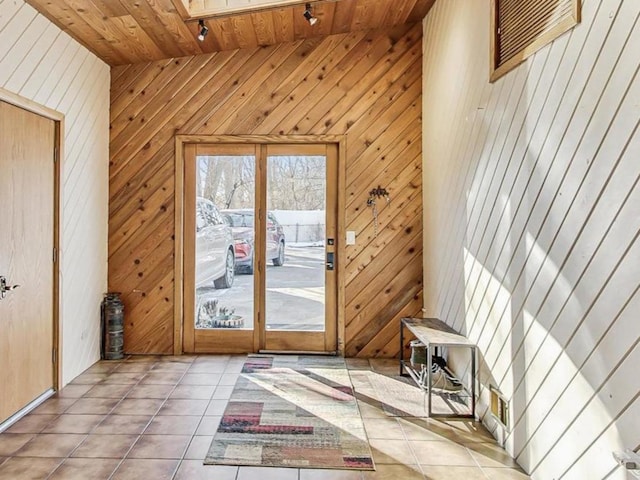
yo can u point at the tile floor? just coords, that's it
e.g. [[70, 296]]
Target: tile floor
[[154, 417]]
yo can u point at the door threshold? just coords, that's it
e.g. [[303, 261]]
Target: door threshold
[[24, 410], [298, 352]]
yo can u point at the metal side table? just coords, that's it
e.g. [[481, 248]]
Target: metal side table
[[435, 333]]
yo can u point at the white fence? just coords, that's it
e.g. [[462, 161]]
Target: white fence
[[302, 226]]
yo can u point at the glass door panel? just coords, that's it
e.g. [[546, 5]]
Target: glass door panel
[[298, 311], [220, 217], [295, 247]]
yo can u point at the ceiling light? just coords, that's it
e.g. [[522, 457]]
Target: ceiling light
[[203, 30], [308, 15]]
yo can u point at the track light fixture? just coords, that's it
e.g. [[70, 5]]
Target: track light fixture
[[203, 30], [308, 15]]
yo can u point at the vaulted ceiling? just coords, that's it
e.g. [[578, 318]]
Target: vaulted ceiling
[[134, 31]]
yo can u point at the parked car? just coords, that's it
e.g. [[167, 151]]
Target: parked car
[[242, 224], [215, 255]]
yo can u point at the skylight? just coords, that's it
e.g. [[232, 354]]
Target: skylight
[[201, 8]]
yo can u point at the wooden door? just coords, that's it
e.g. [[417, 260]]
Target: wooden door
[[283, 295], [299, 300], [27, 180]]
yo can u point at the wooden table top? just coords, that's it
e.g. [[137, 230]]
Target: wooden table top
[[433, 331]]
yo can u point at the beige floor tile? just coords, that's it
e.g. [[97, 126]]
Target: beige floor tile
[[441, 453], [394, 472], [229, 379], [143, 358], [198, 447], [51, 445], [73, 391], [104, 366], [387, 428], [223, 392], [108, 391], [95, 406], [207, 367], [391, 452], [54, 406], [211, 379], [31, 424], [145, 469], [193, 392], [123, 425], [505, 473], [490, 455], [173, 425], [216, 407], [208, 425], [439, 472], [135, 367], [195, 470], [173, 367], [68, 423], [85, 468], [89, 378], [320, 474], [357, 363], [184, 407], [138, 406], [123, 378], [445, 449], [105, 446], [28, 468], [161, 378], [267, 473], [150, 391], [160, 446], [10, 443], [424, 429]]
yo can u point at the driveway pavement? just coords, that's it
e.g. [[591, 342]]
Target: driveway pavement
[[295, 292]]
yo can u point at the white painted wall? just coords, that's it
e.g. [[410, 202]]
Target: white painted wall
[[40, 62], [532, 216]]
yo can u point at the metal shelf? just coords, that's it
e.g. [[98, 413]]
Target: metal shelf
[[435, 333]]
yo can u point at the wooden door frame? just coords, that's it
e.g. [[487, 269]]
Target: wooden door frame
[[58, 119], [180, 142]]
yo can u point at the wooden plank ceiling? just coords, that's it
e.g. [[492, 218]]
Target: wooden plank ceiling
[[135, 31]]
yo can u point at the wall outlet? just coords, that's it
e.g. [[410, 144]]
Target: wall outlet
[[351, 237]]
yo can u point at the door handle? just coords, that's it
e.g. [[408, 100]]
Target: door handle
[[330, 263], [4, 288]]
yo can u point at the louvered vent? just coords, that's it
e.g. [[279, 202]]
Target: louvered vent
[[524, 26]]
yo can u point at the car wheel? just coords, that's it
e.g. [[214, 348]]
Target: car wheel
[[279, 260], [226, 280]]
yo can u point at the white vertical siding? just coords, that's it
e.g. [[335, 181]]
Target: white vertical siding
[[40, 62], [532, 217]]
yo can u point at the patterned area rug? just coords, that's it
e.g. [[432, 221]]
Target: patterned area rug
[[292, 411]]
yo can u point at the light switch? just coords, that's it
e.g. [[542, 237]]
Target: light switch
[[351, 237]]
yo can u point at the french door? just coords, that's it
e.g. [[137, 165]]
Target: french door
[[259, 247]]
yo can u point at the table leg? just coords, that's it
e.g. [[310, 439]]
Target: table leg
[[401, 346]]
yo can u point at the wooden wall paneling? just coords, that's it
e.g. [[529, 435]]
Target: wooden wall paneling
[[342, 17], [332, 108], [310, 87], [123, 75], [284, 91], [283, 25], [261, 85]]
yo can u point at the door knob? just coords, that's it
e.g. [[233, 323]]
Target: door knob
[[4, 288]]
